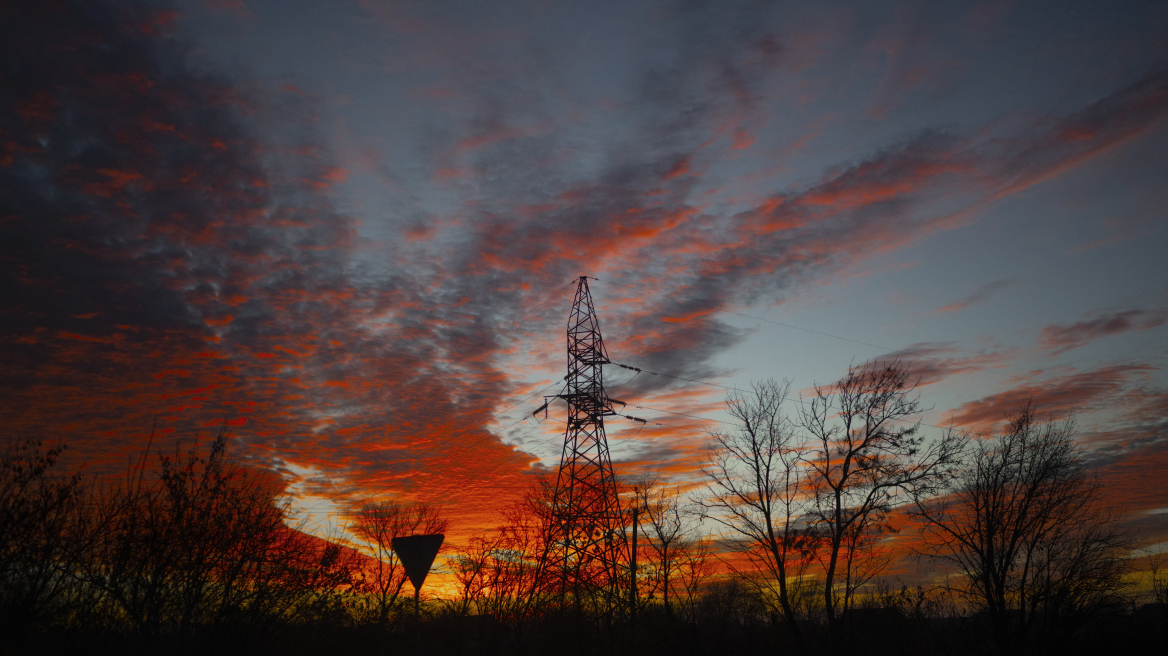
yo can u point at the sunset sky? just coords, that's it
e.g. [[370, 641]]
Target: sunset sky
[[351, 230]]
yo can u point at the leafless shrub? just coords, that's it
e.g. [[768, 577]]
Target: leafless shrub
[[202, 548], [39, 548]]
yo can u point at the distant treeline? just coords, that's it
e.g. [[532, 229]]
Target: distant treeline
[[192, 553]]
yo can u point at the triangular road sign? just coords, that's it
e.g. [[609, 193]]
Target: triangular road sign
[[417, 554]]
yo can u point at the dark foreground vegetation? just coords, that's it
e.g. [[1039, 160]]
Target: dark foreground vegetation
[[192, 552]]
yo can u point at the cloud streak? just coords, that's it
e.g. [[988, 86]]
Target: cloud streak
[[1062, 338], [1061, 396], [981, 295]]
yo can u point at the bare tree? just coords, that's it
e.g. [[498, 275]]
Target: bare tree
[[471, 566], [516, 590], [39, 548], [863, 559], [1025, 525], [172, 552], [496, 572], [695, 558], [201, 547], [755, 489], [864, 460], [378, 523], [1159, 578], [665, 530], [499, 572]]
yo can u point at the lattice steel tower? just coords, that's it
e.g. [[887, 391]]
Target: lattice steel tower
[[587, 547]]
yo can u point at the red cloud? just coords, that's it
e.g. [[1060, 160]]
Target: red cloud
[[1060, 339], [1138, 481], [1059, 397], [679, 168], [933, 362]]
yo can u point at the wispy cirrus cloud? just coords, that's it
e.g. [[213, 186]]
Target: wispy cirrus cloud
[[933, 362], [1062, 338], [980, 295], [1060, 396], [1121, 419]]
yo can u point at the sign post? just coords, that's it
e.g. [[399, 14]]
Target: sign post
[[417, 554]]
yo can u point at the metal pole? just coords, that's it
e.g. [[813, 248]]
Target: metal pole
[[417, 621], [633, 570]]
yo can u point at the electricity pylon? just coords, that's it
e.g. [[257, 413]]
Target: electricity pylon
[[586, 550]]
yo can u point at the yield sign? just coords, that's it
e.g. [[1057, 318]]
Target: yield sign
[[417, 555]]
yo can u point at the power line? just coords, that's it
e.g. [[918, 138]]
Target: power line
[[548, 441], [489, 433], [516, 322], [496, 416], [800, 401], [809, 330], [638, 371], [549, 297], [449, 441], [682, 414]]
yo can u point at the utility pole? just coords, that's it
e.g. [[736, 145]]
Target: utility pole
[[633, 564], [633, 596]]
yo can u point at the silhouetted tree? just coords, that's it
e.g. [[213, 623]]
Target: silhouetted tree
[[514, 592], [499, 572], [1158, 578], [665, 531], [475, 569], [863, 559], [39, 548], [496, 573], [1025, 525], [756, 487], [695, 559], [866, 458], [202, 549]]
